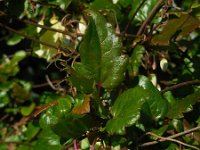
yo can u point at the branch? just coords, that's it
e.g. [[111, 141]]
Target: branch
[[41, 26], [135, 13], [170, 137], [28, 37], [150, 17], [180, 85]]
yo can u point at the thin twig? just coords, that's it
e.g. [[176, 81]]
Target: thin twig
[[180, 85], [73, 35], [41, 26], [171, 137], [44, 84], [133, 16], [150, 17], [28, 37]]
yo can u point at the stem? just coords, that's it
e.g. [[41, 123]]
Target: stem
[[133, 16], [28, 37], [150, 17], [170, 137], [180, 85]]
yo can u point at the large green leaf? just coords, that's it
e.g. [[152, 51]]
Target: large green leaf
[[176, 28], [156, 106], [100, 53], [126, 110], [178, 107]]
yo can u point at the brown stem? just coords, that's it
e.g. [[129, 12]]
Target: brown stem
[[171, 137], [38, 25], [133, 16], [150, 17], [180, 85]]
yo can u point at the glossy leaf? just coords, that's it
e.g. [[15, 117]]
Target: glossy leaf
[[47, 140], [63, 122], [136, 60], [178, 107], [126, 110], [176, 29], [100, 53], [156, 106]]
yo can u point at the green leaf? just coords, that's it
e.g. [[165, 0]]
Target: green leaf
[[48, 140], [31, 131], [126, 110], [4, 99], [136, 60], [72, 126], [100, 53], [25, 111], [63, 4], [176, 29], [178, 107], [63, 122], [14, 39], [156, 106], [9, 67], [81, 78], [101, 5], [144, 10]]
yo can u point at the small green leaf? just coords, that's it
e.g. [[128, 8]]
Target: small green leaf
[[136, 60], [4, 99], [126, 110], [31, 131], [178, 107], [25, 111], [14, 39], [156, 106]]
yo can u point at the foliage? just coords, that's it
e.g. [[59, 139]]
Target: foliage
[[99, 74]]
